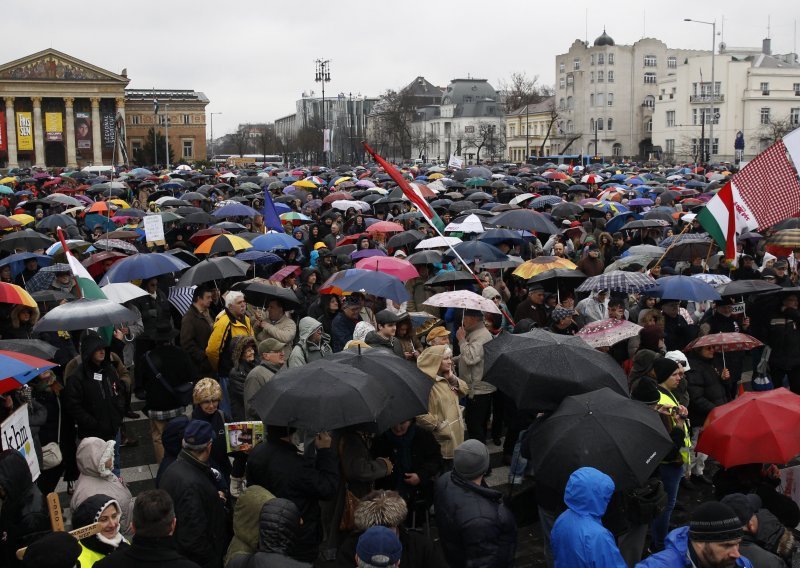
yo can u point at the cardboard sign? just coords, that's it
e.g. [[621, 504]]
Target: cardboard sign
[[790, 483], [456, 162], [243, 436], [737, 308], [16, 434], [154, 229]]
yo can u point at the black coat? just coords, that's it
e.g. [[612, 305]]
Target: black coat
[[176, 367], [784, 339], [23, 515], [279, 525], [426, 461], [678, 333], [143, 552], [277, 466], [706, 389], [195, 331], [219, 446], [201, 531], [476, 529]]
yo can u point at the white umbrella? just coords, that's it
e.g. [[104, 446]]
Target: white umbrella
[[472, 224], [437, 186], [462, 299], [122, 292], [345, 204], [519, 199], [437, 242]]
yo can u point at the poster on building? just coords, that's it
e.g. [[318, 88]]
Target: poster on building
[[108, 126], [326, 140], [15, 432], [83, 130], [53, 127], [24, 131], [3, 142]]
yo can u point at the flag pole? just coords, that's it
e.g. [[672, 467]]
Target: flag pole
[[66, 253]]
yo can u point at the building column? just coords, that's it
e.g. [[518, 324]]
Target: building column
[[11, 133], [121, 114], [97, 142], [38, 133], [69, 132]]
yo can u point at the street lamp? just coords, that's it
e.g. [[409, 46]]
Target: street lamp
[[211, 114], [323, 75], [713, 96]]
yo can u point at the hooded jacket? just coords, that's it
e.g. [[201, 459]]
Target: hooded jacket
[[279, 527], [578, 537], [706, 389], [95, 395], [246, 513], [305, 351], [377, 341], [676, 553], [96, 547], [18, 330], [95, 477], [23, 515], [226, 327], [238, 374], [470, 362]]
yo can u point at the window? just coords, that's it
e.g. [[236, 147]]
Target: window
[[188, 148], [765, 115], [650, 78], [610, 124], [600, 58], [610, 76], [561, 67], [610, 99], [601, 99], [611, 59], [561, 83], [136, 145], [591, 59], [649, 126], [670, 118], [136, 119], [649, 60], [570, 79], [591, 100], [591, 76], [764, 88], [796, 88], [187, 119], [561, 103], [616, 149], [467, 98], [576, 64], [591, 125], [794, 116], [570, 127], [162, 120], [512, 130], [599, 124], [570, 103], [649, 101], [669, 146], [600, 77], [672, 63]]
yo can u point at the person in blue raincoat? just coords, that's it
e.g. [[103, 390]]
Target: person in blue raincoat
[[579, 538]]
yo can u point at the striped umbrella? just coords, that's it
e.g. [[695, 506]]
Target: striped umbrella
[[619, 281], [222, 243]]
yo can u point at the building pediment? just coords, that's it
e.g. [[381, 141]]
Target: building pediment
[[53, 65]]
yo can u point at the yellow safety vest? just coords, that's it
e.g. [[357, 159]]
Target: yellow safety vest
[[667, 399]]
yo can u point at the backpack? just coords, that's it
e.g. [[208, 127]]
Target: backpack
[[645, 503]]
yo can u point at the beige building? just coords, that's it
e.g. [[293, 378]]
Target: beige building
[[184, 109], [606, 94], [527, 127], [754, 92], [59, 111]]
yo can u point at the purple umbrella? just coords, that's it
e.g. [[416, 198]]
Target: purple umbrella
[[641, 201], [366, 253]]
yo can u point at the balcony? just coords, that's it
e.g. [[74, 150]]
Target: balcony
[[706, 99]]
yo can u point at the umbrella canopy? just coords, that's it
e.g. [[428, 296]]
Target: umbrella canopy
[[646, 250], [398, 267], [111, 244], [83, 314], [210, 269], [757, 427], [607, 332], [27, 239], [275, 241], [786, 238], [687, 246], [557, 273], [450, 277], [619, 281], [425, 257], [565, 366], [744, 287], [463, 299], [18, 369], [122, 292], [385, 227], [222, 244], [531, 268], [33, 347], [13, 294], [525, 219], [366, 281], [470, 224], [235, 210], [684, 288], [722, 342], [406, 238], [471, 251], [260, 294], [497, 236], [437, 242], [621, 437], [143, 266]]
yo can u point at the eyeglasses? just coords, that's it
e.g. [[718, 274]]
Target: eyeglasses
[[210, 401]]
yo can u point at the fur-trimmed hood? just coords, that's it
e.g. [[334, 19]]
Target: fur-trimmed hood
[[15, 316], [239, 344]]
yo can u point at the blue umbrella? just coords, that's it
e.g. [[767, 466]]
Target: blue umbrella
[[472, 251], [684, 288], [171, 185], [235, 210], [143, 266], [366, 281], [275, 241], [17, 261], [620, 220], [93, 220], [283, 208], [19, 370], [497, 236], [259, 257]]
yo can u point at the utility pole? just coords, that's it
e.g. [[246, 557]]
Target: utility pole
[[351, 117], [211, 114], [323, 75], [713, 91], [527, 139], [596, 152]]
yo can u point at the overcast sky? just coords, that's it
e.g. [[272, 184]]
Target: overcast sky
[[254, 58]]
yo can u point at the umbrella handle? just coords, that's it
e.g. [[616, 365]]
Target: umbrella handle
[[674, 242]]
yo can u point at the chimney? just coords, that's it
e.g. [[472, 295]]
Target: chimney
[[766, 46]]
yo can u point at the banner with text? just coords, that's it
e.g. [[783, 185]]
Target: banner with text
[[3, 142], [83, 130], [24, 131], [15, 434], [53, 127], [108, 126]]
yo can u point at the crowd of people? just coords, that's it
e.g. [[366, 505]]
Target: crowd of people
[[417, 493]]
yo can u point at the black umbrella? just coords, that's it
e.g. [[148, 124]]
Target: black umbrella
[[83, 314], [184, 255], [564, 366], [525, 219], [623, 438], [28, 240], [213, 269], [744, 287], [645, 224], [406, 238], [564, 210], [49, 296], [259, 294], [51, 222], [450, 277], [557, 273], [32, 347], [197, 218], [425, 257]]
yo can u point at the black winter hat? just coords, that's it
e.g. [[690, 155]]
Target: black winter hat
[[54, 550], [663, 368], [714, 522], [646, 391]]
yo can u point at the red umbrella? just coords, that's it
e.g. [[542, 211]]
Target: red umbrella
[[336, 196], [6, 223], [398, 267], [95, 263], [757, 427], [722, 342], [385, 227]]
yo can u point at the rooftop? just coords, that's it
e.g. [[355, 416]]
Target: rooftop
[[165, 94]]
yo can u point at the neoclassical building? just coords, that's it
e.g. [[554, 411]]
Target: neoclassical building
[[59, 111]]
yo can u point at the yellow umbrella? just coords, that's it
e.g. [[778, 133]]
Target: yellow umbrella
[[9, 179], [437, 175], [531, 268], [121, 203], [23, 218], [341, 179], [305, 183]]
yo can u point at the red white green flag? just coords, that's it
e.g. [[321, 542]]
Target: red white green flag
[[765, 192]]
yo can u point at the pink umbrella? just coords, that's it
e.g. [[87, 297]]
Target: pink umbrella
[[462, 299], [607, 332], [397, 267], [281, 274], [385, 227]]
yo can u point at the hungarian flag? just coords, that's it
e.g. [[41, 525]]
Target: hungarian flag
[[412, 195], [87, 287], [765, 192]]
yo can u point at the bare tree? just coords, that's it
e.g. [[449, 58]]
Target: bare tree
[[241, 140], [520, 90], [394, 115], [265, 139], [775, 129], [555, 126], [483, 135]]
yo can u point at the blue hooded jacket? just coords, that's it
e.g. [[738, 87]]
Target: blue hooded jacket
[[579, 537], [676, 553]]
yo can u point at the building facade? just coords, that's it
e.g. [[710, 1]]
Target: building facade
[[467, 122], [606, 94], [754, 93], [183, 110], [59, 111], [528, 127]]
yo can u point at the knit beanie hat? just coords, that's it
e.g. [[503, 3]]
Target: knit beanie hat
[[643, 361], [663, 368], [646, 391], [471, 459], [649, 336], [714, 522]]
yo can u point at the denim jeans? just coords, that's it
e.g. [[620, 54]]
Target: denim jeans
[[670, 474]]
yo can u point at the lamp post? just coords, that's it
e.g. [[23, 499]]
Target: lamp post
[[527, 142], [350, 118], [323, 75], [713, 96], [211, 114]]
